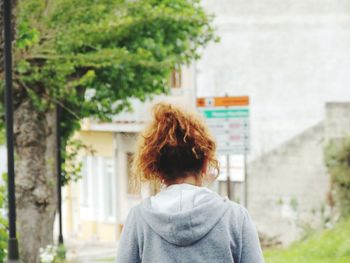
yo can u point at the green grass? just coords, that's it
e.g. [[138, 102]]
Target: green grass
[[329, 246]]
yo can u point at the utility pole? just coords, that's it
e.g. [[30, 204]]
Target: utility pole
[[245, 180], [228, 179], [13, 255], [228, 170]]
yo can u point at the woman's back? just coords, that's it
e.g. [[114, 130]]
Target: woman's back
[[186, 223]]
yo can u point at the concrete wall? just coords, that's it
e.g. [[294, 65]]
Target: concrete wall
[[288, 187], [289, 56], [337, 124]]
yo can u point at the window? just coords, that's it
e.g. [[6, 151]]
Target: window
[[95, 173], [98, 188], [84, 183], [109, 188], [134, 186]]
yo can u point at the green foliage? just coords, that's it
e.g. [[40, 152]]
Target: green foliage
[[61, 253], [2, 134], [91, 57], [112, 50], [329, 246], [53, 254], [294, 204], [337, 158], [3, 221]]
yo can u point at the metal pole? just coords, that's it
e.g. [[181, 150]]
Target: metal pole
[[13, 254], [228, 181], [228, 177], [245, 181], [59, 172]]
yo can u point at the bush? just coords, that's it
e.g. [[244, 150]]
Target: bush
[[53, 254], [337, 159]]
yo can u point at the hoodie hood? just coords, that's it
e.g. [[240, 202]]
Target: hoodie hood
[[183, 214]]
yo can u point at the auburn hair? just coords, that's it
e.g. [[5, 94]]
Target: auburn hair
[[176, 143]]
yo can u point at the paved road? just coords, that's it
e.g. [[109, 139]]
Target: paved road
[[91, 252]]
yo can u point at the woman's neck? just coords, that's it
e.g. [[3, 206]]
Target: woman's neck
[[191, 179]]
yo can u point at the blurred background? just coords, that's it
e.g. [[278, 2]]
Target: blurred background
[[291, 59]]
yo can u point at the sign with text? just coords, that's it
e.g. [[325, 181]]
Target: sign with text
[[236, 168], [228, 120]]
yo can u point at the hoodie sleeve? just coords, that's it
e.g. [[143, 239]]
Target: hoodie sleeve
[[251, 250], [128, 249]]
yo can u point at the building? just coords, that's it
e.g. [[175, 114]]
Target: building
[[291, 58]]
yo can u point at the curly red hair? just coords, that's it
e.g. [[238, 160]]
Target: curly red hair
[[175, 144]]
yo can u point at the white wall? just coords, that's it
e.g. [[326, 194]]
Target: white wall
[[290, 57]]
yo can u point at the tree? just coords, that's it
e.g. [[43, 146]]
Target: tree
[[90, 57], [337, 160]]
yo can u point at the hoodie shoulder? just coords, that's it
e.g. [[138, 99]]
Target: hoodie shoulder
[[183, 228], [237, 213], [238, 209], [234, 210], [245, 234]]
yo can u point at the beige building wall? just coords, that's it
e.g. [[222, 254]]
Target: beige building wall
[[100, 142], [76, 225]]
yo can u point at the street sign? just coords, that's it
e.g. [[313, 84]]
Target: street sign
[[228, 120], [225, 113], [223, 101], [236, 169]]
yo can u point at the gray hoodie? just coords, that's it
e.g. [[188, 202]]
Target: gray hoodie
[[185, 223]]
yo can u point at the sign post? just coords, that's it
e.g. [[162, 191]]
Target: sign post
[[228, 120], [245, 181], [228, 179]]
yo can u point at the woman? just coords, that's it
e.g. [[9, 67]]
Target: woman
[[185, 222]]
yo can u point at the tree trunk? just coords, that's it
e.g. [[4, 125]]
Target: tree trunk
[[36, 179]]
